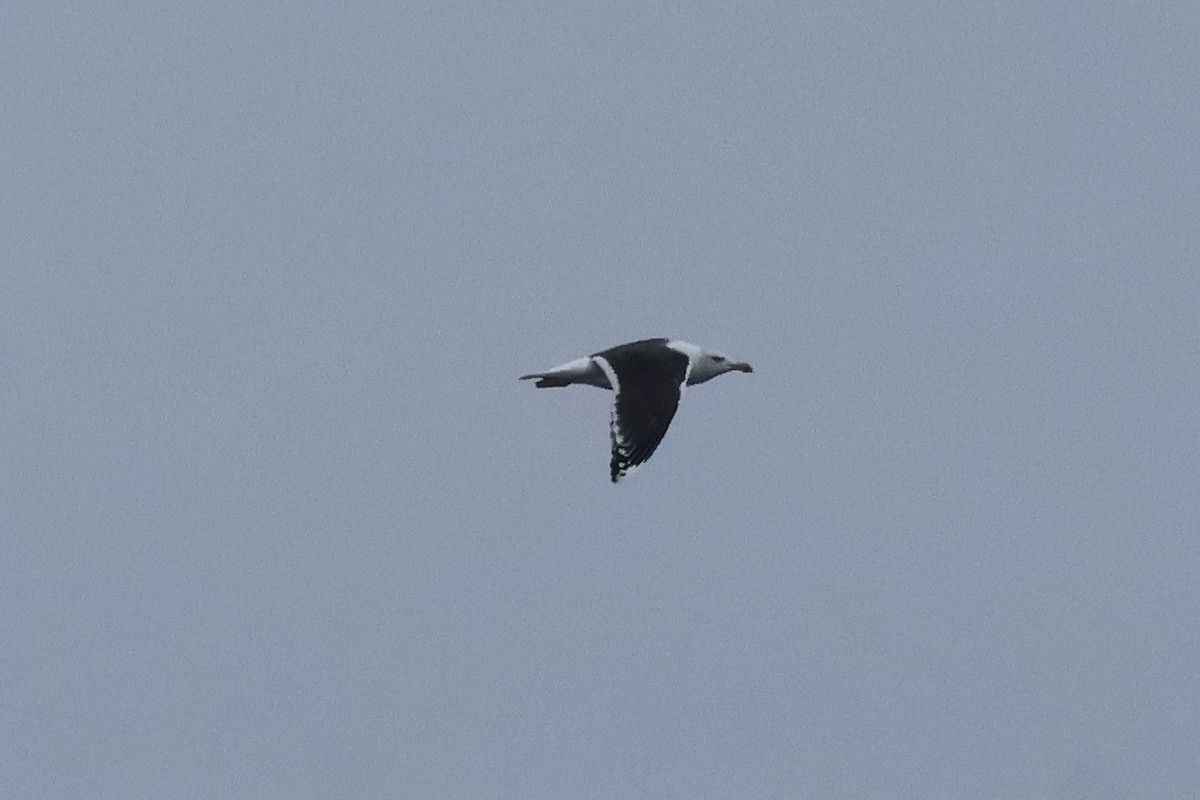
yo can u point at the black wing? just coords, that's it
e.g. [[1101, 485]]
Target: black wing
[[650, 383]]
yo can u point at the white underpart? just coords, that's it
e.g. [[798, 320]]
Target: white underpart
[[572, 369]]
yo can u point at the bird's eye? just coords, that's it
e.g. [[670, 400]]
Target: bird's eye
[[718, 359]]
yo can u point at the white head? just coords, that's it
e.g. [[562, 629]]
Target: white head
[[706, 364]]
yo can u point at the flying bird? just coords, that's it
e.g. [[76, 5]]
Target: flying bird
[[647, 380]]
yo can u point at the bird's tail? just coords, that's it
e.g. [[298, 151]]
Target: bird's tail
[[548, 380]]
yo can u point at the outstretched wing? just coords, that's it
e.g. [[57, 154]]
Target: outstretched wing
[[647, 389]]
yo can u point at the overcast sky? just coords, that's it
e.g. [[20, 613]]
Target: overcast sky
[[278, 521]]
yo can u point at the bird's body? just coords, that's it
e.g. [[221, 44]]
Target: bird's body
[[647, 379]]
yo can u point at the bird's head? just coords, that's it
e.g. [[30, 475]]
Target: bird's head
[[709, 365]]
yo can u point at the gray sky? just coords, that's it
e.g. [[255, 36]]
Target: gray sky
[[278, 521]]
